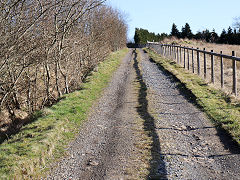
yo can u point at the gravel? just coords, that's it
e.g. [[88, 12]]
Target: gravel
[[192, 148], [188, 145]]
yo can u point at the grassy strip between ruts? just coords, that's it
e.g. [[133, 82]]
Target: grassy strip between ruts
[[224, 111], [27, 154]]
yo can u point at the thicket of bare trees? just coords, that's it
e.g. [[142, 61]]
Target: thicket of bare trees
[[47, 47]]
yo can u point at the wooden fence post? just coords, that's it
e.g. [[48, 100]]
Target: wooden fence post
[[198, 61], [180, 54], [167, 50], [174, 55], [165, 47], [192, 60], [234, 66], [212, 68], [170, 51], [177, 55], [222, 71], [188, 59], [205, 63], [174, 52], [184, 57]]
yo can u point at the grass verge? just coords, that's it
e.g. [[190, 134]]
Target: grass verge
[[27, 154], [224, 111], [143, 136], [146, 158]]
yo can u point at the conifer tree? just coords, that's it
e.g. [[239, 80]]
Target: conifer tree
[[175, 32], [186, 32]]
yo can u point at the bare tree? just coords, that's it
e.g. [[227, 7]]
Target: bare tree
[[48, 47], [236, 23]]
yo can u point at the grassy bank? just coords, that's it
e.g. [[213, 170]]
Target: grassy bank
[[222, 109], [27, 154]]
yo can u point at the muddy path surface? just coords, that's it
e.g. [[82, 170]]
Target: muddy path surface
[[146, 127]]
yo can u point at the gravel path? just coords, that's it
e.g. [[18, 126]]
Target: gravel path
[[182, 143], [104, 145], [190, 145]]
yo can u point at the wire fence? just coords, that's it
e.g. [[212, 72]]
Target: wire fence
[[216, 68]]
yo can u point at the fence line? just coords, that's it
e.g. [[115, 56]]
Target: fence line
[[175, 52]]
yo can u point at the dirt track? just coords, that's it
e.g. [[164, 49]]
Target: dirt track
[[144, 125]]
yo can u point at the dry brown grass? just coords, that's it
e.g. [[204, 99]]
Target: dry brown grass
[[225, 48]]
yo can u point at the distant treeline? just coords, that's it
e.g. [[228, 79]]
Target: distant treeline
[[229, 36], [142, 36]]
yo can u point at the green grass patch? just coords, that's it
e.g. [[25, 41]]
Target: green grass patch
[[224, 111], [27, 154]]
